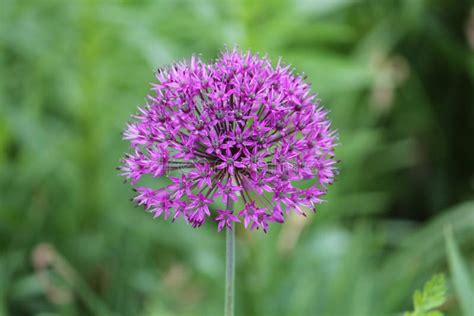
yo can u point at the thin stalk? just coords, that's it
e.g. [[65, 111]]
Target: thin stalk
[[230, 266]]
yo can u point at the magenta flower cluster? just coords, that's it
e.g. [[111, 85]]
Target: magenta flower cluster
[[235, 128]]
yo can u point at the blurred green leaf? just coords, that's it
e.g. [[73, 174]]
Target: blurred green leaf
[[432, 296], [461, 276]]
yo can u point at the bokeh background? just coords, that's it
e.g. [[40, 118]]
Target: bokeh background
[[398, 78]]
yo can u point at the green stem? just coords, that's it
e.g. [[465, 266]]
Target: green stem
[[230, 266]]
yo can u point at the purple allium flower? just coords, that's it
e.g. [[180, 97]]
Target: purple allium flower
[[225, 218], [235, 128]]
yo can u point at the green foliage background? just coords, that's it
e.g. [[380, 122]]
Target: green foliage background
[[398, 77]]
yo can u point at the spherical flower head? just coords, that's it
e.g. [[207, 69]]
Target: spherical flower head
[[236, 128]]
